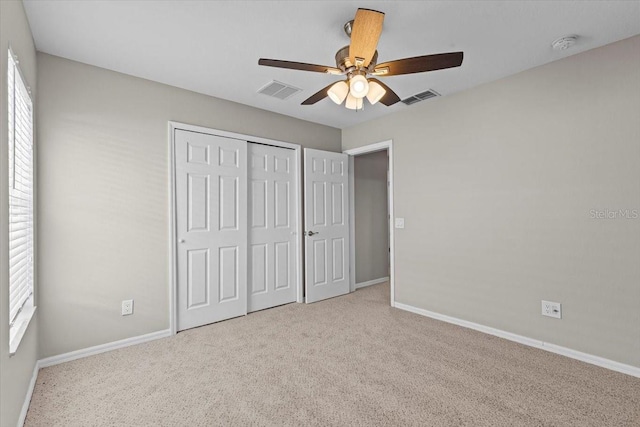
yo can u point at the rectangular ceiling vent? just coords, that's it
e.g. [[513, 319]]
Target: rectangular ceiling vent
[[421, 96], [279, 90]]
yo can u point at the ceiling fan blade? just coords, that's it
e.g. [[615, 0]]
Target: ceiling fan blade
[[299, 66], [365, 33], [390, 97], [318, 96], [418, 64]]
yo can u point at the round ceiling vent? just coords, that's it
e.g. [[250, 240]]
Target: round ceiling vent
[[564, 43]]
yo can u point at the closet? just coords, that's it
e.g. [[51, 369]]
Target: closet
[[236, 227]]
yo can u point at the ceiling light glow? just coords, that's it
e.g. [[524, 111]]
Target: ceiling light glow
[[359, 86], [376, 92], [338, 92], [353, 103]]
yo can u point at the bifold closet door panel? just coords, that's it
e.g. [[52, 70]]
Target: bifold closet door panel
[[211, 228], [272, 226]]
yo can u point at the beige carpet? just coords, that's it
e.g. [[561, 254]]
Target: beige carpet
[[351, 360]]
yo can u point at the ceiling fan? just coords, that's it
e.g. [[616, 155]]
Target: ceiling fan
[[358, 61]]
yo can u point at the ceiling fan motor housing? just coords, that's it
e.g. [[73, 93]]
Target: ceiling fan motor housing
[[344, 63]]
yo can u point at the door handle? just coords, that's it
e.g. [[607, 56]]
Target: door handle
[[181, 240], [311, 233]]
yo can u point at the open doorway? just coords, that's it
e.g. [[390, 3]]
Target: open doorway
[[371, 210]]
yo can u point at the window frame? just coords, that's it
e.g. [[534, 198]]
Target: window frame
[[19, 324]]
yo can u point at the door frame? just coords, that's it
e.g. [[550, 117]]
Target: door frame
[[371, 148], [173, 270]]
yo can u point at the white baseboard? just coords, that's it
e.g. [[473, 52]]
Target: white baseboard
[[85, 352], [371, 282], [553, 348], [27, 397], [78, 354]]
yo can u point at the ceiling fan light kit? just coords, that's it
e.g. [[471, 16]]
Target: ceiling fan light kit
[[339, 92], [354, 103], [358, 86], [376, 92], [359, 60]]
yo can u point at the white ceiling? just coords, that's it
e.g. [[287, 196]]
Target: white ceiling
[[213, 47]]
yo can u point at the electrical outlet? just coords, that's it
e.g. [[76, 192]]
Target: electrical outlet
[[127, 307], [552, 309]]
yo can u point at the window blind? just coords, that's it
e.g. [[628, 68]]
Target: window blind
[[20, 129]]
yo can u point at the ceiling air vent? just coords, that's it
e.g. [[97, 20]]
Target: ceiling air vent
[[278, 90], [421, 97]]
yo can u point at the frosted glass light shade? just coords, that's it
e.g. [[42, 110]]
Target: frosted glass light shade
[[358, 86], [353, 103], [338, 92], [376, 92]]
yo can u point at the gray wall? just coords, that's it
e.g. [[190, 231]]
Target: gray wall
[[372, 226], [16, 371], [497, 185], [104, 195]]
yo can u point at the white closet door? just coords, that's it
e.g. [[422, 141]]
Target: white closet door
[[211, 208], [326, 218], [272, 226]]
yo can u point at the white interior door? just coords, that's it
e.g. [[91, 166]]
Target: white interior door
[[326, 218], [272, 226], [211, 218]]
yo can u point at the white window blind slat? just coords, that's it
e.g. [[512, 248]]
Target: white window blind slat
[[20, 201], [18, 270], [17, 228], [21, 245], [20, 192], [20, 276]]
